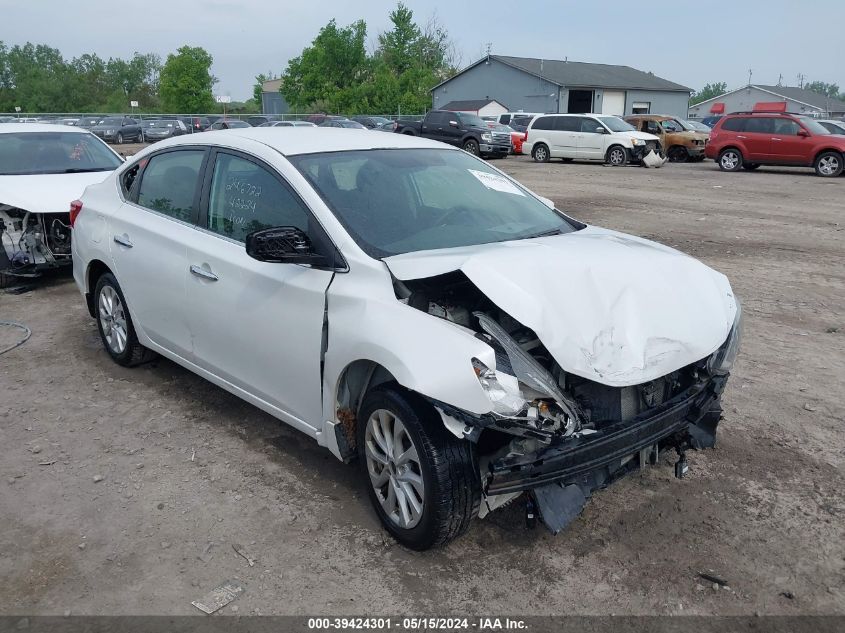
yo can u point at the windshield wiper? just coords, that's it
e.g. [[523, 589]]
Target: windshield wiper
[[543, 234], [80, 170]]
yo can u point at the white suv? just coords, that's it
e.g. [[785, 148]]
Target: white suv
[[587, 137], [408, 306]]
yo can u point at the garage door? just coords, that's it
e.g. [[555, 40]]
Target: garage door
[[613, 102]]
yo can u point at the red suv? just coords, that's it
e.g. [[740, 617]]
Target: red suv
[[746, 140]]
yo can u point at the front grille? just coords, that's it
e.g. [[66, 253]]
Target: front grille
[[652, 145], [501, 137]]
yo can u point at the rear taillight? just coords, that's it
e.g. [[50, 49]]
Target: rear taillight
[[525, 137], [75, 208]]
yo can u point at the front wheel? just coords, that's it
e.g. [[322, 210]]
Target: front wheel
[[829, 164], [540, 153], [422, 481], [677, 154], [616, 156], [471, 147], [115, 324], [119, 139], [730, 160]]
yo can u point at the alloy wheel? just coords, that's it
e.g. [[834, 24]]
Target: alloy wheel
[[730, 160], [617, 156], [540, 154], [113, 319], [828, 165], [394, 468]]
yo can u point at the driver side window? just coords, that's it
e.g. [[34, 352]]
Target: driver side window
[[247, 197]]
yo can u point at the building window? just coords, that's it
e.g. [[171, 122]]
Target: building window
[[641, 107]]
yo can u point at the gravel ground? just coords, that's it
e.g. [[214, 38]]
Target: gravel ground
[[126, 491]]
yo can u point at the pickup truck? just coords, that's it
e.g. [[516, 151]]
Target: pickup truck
[[467, 131]]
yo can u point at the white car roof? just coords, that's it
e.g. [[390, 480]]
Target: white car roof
[[309, 140], [40, 127]]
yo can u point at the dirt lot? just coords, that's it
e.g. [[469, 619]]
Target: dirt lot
[[124, 491]]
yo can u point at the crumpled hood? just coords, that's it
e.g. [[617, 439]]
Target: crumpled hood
[[643, 136], [47, 193], [612, 308]]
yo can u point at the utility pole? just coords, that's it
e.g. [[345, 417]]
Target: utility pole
[[800, 80], [750, 72]]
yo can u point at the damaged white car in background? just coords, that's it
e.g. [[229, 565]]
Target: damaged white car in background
[[408, 305], [43, 168]]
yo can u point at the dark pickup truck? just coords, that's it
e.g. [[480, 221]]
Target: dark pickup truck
[[467, 131]]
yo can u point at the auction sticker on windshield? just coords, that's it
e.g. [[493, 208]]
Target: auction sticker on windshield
[[498, 183]]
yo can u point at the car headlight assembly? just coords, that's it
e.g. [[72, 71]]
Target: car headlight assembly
[[722, 360], [487, 137], [109, 131], [505, 394], [637, 141]]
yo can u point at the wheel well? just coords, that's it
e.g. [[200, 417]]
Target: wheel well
[[468, 138], [355, 381], [610, 149], [95, 270], [409, 133], [725, 149], [825, 151], [676, 146]]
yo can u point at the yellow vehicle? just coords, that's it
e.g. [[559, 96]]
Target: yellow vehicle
[[679, 140]]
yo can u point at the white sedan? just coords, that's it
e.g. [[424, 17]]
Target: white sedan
[[409, 306], [42, 168]]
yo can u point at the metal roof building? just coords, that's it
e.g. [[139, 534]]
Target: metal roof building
[[548, 85], [798, 100]]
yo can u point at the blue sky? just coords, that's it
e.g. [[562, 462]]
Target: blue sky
[[691, 43]]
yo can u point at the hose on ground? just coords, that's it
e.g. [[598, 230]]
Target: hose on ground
[[20, 326]]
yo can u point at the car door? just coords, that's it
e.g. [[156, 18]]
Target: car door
[[258, 326], [787, 145], [757, 137], [148, 237], [590, 141], [564, 136], [432, 126]]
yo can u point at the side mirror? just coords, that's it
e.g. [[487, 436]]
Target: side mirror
[[600, 130], [282, 244], [453, 123], [803, 132]]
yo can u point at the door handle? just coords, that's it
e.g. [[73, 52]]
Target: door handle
[[199, 271], [776, 139], [123, 240]]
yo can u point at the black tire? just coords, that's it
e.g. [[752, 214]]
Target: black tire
[[141, 136], [730, 159], [677, 154], [829, 164], [119, 139], [540, 153], [617, 156], [133, 353], [452, 489], [750, 166], [471, 147]]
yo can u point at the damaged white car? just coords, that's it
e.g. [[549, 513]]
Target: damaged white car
[[408, 305], [42, 168]]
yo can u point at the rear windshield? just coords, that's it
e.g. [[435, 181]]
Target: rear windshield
[[159, 123], [29, 153]]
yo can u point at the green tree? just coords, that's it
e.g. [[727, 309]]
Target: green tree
[[258, 88], [823, 88], [708, 92], [329, 69], [186, 83]]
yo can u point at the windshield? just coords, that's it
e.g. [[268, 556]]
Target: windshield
[[615, 124], [111, 121], [395, 201], [472, 120], [814, 126], [672, 125], [159, 123], [28, 153]]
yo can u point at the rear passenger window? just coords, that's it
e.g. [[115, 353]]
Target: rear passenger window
[[569, 123], [246, 197], [760, 125], [169, 184], [544, 123]]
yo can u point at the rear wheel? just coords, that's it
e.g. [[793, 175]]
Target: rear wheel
[[677, 154], [540, 153], [471, 146], [616, 156], [422, 481], [115, 324], [829, 164], [730, 160]]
